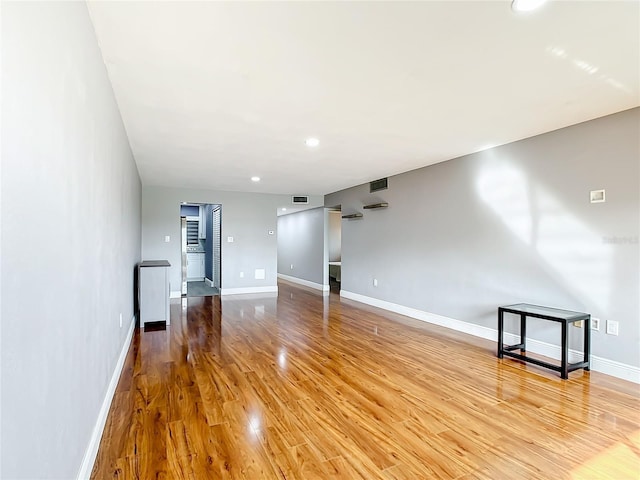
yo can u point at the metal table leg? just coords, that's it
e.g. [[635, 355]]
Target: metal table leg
[[565, 351], [587, 343], [500, 332], [523, 332]]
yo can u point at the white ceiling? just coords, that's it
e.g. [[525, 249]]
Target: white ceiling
[[212, 93]]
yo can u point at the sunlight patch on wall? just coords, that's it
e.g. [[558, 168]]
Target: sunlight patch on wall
[[568, 247]]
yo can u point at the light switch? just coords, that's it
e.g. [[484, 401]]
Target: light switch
[[167, 239], [597, 196], [230, 239]]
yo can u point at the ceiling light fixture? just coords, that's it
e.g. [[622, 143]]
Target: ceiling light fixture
[[312, 142], [255, 179], [526, 5]]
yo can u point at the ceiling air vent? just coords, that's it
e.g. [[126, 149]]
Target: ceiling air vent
[[300, 199], [378, 185]]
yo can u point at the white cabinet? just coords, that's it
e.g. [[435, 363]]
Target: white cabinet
[[153, 277], [195, 266]]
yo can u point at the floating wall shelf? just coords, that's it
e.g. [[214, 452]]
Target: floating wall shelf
[[353, 215], [376, 205]]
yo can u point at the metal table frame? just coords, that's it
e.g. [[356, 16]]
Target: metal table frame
[[564, 317]]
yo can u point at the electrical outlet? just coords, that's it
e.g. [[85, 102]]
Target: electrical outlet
[[375, 282], [241, 274], [292, 266], [121, 320], [595, 324], [578, 324], [612, 327]]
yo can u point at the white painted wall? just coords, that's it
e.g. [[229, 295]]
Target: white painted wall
[[247, 217], [70, 237]]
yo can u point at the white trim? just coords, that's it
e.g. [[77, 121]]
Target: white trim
[[615, 369], [598, 364], [459, 325], [249, 296], [208, 282], [243, 290], [175, 294], [94, 442], [195, 279], [306, 283]]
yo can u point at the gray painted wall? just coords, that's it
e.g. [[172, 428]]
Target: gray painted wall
[[511, 224], [247, 217], [70, 237], [335, 236], [301, 242]]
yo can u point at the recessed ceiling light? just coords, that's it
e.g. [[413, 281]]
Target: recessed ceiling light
[[526, 5], [255, 179], [312, 142]]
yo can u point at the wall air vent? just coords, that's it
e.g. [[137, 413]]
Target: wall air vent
[[300, 199], [378, 185]]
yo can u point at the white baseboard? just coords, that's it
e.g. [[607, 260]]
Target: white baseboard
[[243, 290], [598, 364], [459, 325], [208, 282], [615, 369], [175, 294], [306, 283], [94, 442]]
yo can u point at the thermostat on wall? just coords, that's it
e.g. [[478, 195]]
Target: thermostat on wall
[[597, 196]]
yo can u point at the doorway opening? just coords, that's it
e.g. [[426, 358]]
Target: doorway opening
[[201, 227]]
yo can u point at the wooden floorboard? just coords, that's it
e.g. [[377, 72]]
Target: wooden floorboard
[[302, 386]]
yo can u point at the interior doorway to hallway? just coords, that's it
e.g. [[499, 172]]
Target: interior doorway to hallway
[[201, 249]]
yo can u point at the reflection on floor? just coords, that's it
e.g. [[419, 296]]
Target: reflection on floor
[[201, 289]]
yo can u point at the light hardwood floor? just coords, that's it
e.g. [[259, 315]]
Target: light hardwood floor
[[309, 387]]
